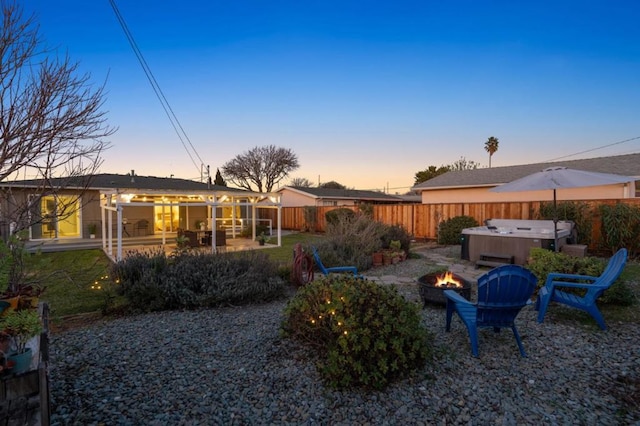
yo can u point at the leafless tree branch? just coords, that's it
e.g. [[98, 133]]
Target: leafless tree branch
[[260, 168]]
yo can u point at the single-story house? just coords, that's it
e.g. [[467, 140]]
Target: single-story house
[[117, 206], [319, 197], [472, 186]]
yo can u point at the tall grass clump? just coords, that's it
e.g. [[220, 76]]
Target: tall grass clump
[[351, 239], [621, 227], [364, 334], [154, 281]]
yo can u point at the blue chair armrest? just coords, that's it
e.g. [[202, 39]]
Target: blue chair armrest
[[351, 269], [554, 277], [555, 284], [455, 297]]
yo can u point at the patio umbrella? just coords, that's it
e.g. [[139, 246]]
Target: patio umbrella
[[559, 178]]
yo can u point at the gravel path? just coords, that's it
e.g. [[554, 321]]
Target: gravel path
[[229, 366]]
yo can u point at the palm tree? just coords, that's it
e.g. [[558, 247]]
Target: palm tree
[[491, 146]]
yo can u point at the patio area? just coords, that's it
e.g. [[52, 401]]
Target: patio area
[[150, 242]]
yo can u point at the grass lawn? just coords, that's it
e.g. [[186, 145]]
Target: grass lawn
[[69, 277], [284, 254]]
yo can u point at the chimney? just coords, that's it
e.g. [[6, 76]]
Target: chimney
[[133, 173]]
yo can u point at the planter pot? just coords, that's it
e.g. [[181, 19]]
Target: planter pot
[[377, 259], [261, 243], [22, 361]]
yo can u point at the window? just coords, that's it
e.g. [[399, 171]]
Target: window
[[55, 216]]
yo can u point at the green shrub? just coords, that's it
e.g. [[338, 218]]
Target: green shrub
[[366, 209], [337, 215], [396, 233], [450, 230], [366, 335], [579, 212], [310, 218], [153, 281], [543, 262]]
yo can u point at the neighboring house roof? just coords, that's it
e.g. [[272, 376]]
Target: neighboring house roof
[[115, 181], [627, 165], [343, 194]]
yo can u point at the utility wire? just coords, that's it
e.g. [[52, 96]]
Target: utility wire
[[175, 123], [593, 149]]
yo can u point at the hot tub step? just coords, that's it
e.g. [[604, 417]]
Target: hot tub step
[[494, 259]]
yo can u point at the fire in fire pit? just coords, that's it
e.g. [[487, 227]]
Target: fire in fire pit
[[433, 285]]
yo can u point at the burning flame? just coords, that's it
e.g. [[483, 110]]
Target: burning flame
[[447, 280]]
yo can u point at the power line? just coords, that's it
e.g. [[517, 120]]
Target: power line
[[593, 149], [175, 123]]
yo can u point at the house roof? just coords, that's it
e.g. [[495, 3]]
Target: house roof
[[351, 194], [115, 181], [626, 165]]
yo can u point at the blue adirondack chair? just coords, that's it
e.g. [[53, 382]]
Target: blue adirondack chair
[[334, 269], [502, 293], [594, 287]]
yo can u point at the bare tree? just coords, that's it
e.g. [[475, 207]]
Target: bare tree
[[260, 168], [300, 182], [52, 126], [463, 164]]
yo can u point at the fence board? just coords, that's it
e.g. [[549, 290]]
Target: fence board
[[421, 220]]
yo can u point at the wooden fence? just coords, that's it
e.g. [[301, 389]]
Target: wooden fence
[[421, 220]]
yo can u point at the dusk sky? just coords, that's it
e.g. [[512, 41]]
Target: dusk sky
[[366, 93]]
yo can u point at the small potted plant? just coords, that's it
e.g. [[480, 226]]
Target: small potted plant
[[396, 248], [93, 228], [22, 326], [262, 238]]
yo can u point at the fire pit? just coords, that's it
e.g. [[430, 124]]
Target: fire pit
[[432, 287]]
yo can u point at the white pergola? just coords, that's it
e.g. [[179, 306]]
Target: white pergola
[[114, 202]]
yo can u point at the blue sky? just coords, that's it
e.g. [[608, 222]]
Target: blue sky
[[365, 93]]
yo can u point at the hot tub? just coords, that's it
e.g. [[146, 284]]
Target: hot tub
[[512, 238]]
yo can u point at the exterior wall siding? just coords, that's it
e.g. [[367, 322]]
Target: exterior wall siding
[[483, 195]]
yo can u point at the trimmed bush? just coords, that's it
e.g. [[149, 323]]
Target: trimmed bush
[[365, 335], [450, 230], [338, 215], [154, 282]]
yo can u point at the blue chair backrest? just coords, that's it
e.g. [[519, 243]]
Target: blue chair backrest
[[610, 274], [316, 256], [502, 293]]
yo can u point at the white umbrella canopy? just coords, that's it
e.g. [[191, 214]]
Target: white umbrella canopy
[[561, 177], [558, 178]]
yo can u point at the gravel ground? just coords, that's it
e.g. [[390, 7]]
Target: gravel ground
[[229, 366]]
